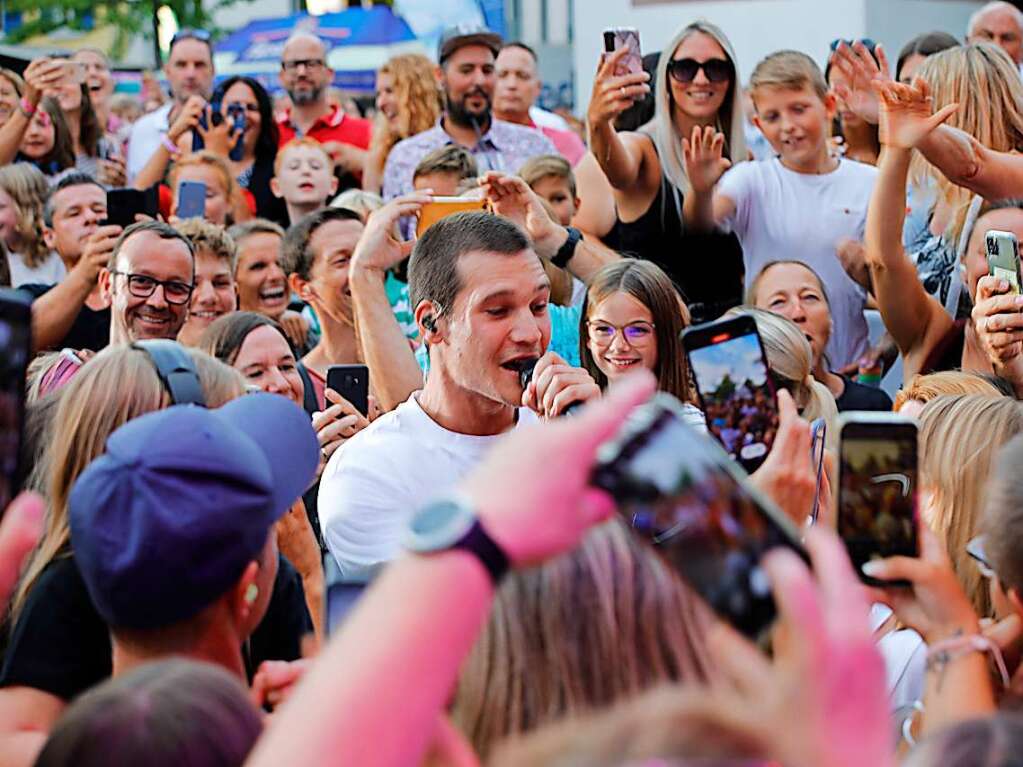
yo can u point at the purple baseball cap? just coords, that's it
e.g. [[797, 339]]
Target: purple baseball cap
[[165, 521]]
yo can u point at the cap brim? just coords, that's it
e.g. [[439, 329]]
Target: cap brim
[[284, 433]]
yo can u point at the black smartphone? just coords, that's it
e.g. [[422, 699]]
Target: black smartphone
[[191, 200], [735, 386], [124, 204], [198, 143], [343, 591], [877, 487], [236, 112], [682, 493], [352, 383], [15, 352]]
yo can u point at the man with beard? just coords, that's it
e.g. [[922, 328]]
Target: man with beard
[[189, 71], [467, 75], [148, 282], [306, 77]]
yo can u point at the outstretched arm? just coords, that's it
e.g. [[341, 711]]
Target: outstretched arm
[[705, 164], [612, 95], [966, 162]]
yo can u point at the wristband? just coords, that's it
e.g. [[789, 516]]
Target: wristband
[[946, 651], [27, 107], [566, 251], [169, 145]]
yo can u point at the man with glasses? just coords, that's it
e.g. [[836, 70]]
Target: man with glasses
[[189, 71], [467, 74], [148, 282], [306, 77]]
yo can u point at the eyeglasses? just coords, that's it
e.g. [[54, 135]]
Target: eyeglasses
[[975, 549], [715, 70], [636, 333], [190, 34], [142, 286], [294, 64]]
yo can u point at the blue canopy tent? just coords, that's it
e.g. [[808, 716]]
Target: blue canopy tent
[[359, 40]]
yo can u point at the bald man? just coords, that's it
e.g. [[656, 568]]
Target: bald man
[[999, 23], [306, 77]]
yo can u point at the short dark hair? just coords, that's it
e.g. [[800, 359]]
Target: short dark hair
[[433, 267], [160, 229], [224, 337], [295, 255], [448, 159], [523, 46], [75, 178]]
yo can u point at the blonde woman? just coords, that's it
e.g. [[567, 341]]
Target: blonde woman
[[59, 646], [23, 190], [583, 631], [956, 460], [696, 86], [408, 102]]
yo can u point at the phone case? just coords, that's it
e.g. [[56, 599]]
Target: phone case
[[442, 207], [625, 37], [1003, 258]]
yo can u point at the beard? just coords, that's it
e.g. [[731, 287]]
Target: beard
[[302, 97], [459, 115]]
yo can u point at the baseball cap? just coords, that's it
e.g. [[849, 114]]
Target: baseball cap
[[165, 522], [459, 36]]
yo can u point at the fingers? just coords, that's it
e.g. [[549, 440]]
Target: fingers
[[941, 115], [601, 418], [884, 67], [341, 429], [339, 401]]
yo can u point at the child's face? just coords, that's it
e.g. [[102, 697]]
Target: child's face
[[442, 184], [305, 177], [40, 137], [795, 121], [558, 193]]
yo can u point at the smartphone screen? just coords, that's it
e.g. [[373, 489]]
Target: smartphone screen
[[352, 383], [442, 207], [625, 37], [343, 591], [818, 434], [679, 491], [1003, 258], [877, 487], [15, 351], [123, 205], [733, 381], [191, 199]]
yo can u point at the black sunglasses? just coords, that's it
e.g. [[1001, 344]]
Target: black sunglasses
[[190, 34], [715, 70]]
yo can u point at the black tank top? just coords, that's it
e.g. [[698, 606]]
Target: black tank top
[[706, 267]]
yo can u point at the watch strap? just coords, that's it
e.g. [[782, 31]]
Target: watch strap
[[479, 543], [567, 250]]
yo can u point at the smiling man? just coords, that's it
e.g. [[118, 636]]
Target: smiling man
[[148, 282], [480, 295], [468, 77]]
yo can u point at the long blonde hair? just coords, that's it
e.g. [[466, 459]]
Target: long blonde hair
[[956, 460], [662, 129], [419, 95], [588, 629], [26, 185], [985, 82], [119, 384]]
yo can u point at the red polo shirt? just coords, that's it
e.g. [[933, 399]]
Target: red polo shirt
[[335, 126]]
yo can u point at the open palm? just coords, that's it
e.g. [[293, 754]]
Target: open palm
[[906, 116]]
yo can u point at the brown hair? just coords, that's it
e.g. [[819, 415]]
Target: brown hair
[[419, 98], [226, 335], [27, 187], [790, 70], [211, 238], [648, 284], [923, 388], [447, 159], [546, 165]]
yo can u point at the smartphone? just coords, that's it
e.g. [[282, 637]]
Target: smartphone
[[818, 434], [217, 118], [343, 591], [191, 200], [680, 492], [15, 353], [624, 37], [124, 204], [352, 383], [735, 386], [1003, 258], [877, 487], [237, 114], [74, 71], [442, 207]]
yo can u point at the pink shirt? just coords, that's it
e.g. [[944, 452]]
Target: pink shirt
[[566, 142]]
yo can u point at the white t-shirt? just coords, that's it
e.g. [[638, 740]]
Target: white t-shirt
[[145, 138], [377, 480], [49, 272], [781, 215], [905, 660]]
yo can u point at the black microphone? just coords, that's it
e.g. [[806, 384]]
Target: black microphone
[[526, 368]]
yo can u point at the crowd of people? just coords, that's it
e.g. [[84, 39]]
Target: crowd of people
[[196, 488]]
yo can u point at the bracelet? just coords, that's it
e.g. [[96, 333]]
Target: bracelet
[[27, 107], [169, 145], [955, 647]]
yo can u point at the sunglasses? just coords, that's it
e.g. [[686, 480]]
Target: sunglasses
[[190, 34], [715, 70], [975, 549], [870, 44]]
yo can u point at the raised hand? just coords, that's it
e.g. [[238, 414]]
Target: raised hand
[[219, 139], [43, 76], [859, 70], [380, 246], [613, 94], [512, 198], [703, 153], [998, 322], [187, 119], [906, 113]]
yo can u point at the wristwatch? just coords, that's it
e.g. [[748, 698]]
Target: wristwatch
[[451, 523], [566, 251]]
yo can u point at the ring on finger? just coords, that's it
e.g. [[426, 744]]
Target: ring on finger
[[622, 89]]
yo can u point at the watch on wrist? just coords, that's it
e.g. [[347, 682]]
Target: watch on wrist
[[566, 251], [451, 523]]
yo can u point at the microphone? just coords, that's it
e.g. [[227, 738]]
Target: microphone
[[526, 368]]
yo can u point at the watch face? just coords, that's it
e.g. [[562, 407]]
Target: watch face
[[439, 526]]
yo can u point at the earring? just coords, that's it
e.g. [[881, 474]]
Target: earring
[[251, 594]]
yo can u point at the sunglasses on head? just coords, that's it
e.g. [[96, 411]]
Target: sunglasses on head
[[870, 44], [715, 70], [190, 34]]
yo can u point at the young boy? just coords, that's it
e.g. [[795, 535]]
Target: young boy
[[303, 177], [797, 206], [445, 171], [551, 177]]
